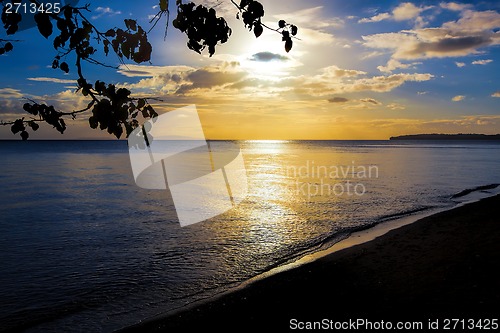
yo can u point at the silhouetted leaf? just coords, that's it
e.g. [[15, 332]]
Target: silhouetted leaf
[[44, 25], [281, 24], [140, 103], [8, 47], [257, 30], [34, 126], [131, 24], [18, 126], [294, 30], [286, 35], [24, 135], [256, 9], [64, 67], [163, 5], [110, 33], [288, 44]]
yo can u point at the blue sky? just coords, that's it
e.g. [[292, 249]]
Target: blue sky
[[361, 70]]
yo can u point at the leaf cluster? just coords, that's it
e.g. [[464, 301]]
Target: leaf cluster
[[202, 27], [131, 43], [117, 110]]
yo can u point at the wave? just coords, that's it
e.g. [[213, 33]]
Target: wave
[[475, 189]]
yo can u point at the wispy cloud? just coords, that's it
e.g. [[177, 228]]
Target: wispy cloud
[[105, 11], [453, 6], [396, 106], [51, 79], [10, 93], [482, 62], [403, 12], [370, 100], [376, 18], [458, 98], [394, 64]]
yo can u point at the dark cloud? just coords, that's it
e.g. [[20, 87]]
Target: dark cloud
[[204, 78], [338, 100], [370, 100], [268, 56], [451, 45]]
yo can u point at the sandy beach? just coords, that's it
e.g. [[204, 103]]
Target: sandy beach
[[440, 267]]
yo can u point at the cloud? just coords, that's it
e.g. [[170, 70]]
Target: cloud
[[370, 100], [338, 100], [460, 64], [311, 18], [474, 30], [395, 106], [223, 8], [331, 83], [403, 12], [458, 98], [10, 93], [482, 62], [475, 21], [51, 79], [427, 43], [268, 56], [376, 18], [183, 80], [150, 71], [394, 64], [496, 94], [207, 78], [407, 11], [339, 72], [453, 6], [101, 11]]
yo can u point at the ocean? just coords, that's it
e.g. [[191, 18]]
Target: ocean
[[83, 248]]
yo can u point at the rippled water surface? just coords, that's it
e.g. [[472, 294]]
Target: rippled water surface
[[83, 248]]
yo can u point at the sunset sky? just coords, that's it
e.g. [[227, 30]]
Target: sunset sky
[[361, 70]]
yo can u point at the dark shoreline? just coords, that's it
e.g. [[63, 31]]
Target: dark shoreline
[[448, 137], [442, 266]]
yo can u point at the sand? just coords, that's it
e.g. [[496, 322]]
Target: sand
[[443, 266]]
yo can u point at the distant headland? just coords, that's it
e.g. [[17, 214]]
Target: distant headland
[[447, 137]]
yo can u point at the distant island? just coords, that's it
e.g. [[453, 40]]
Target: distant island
[[447, 137]]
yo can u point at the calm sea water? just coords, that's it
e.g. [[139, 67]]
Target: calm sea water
[[82, 248]]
